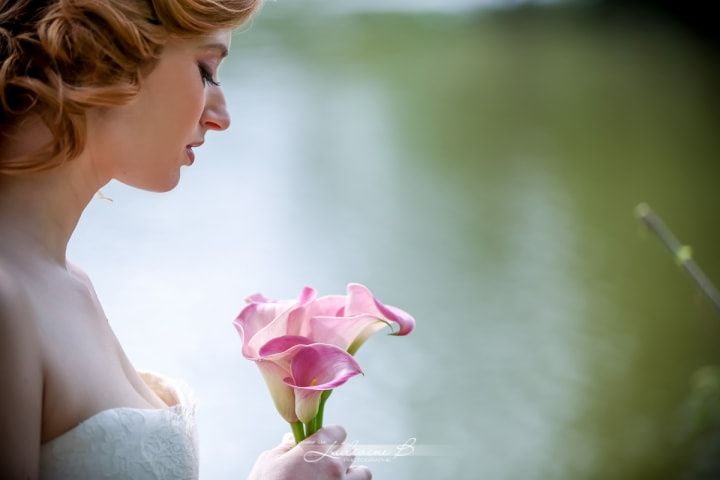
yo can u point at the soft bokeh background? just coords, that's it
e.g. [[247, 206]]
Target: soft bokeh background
[[477, 164]]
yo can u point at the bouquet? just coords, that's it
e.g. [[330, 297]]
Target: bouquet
[[304, 347]]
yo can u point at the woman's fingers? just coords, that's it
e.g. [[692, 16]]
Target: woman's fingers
[[359, 472], [328, 435], [326, 446], [287, 443], [347, 459], [321, 456]]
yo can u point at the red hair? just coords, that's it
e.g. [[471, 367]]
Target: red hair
[[65, 56]]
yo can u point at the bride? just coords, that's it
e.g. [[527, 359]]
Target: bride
[[95, 90]]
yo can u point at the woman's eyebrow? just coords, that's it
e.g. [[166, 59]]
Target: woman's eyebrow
[[217, 46]]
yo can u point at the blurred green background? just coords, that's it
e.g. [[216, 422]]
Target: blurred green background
[[478, 168]]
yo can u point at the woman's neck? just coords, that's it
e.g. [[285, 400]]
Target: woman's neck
[[39, 211]]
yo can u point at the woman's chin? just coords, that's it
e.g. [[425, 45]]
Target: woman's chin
[[158, 185]]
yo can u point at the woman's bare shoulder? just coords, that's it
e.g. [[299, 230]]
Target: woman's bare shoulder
[[16, 313], [13, 300], [21, 374], [19, 328], [6, 276], [79, 274]]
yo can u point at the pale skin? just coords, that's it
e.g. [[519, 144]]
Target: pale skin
[[60, 362]]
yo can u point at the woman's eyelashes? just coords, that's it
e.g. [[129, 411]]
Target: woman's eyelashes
[[207, 77]]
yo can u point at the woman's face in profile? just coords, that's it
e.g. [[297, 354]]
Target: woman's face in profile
[[144, 143]]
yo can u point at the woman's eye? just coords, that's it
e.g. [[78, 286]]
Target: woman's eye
[[207, 77]]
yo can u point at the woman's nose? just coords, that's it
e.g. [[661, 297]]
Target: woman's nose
[[215, 116]]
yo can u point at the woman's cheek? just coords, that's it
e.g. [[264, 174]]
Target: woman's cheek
[[195, 105]]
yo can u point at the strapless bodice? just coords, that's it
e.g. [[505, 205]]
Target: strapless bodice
[[122, 443]]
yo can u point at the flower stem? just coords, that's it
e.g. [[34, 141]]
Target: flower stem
[[298, 433], [321, 409], [310, 427]]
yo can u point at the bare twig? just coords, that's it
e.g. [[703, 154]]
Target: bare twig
[[682, 253]]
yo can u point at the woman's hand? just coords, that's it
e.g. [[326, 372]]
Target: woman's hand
[[311, 459]]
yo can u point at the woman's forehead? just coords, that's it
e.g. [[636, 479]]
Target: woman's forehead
[[216, 43], [220, 38]]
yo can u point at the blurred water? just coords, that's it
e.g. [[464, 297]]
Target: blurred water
[[479, 171], [440, 6]]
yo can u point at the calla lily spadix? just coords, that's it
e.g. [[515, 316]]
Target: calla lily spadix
[[305, 346]]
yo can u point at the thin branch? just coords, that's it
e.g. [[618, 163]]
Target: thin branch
[[682, 253]]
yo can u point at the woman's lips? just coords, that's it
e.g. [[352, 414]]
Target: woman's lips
[[190, 154], [189, 150]]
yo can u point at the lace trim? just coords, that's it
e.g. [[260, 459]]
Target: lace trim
[[136, 443]]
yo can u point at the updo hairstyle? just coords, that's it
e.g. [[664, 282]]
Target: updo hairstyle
[[59, 58]]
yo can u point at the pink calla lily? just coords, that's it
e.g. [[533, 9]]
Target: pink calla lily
[[316, 368], [274, 333]]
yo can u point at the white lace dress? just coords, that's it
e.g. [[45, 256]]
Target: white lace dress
[[129, 443]]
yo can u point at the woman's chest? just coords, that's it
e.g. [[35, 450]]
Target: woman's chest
[[85, 369]]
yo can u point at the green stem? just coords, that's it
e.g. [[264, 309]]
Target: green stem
[[310, 427], [298, 433], [321, 409]]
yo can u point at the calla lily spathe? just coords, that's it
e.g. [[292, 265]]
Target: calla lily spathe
[[316, 368], [289, 340]]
